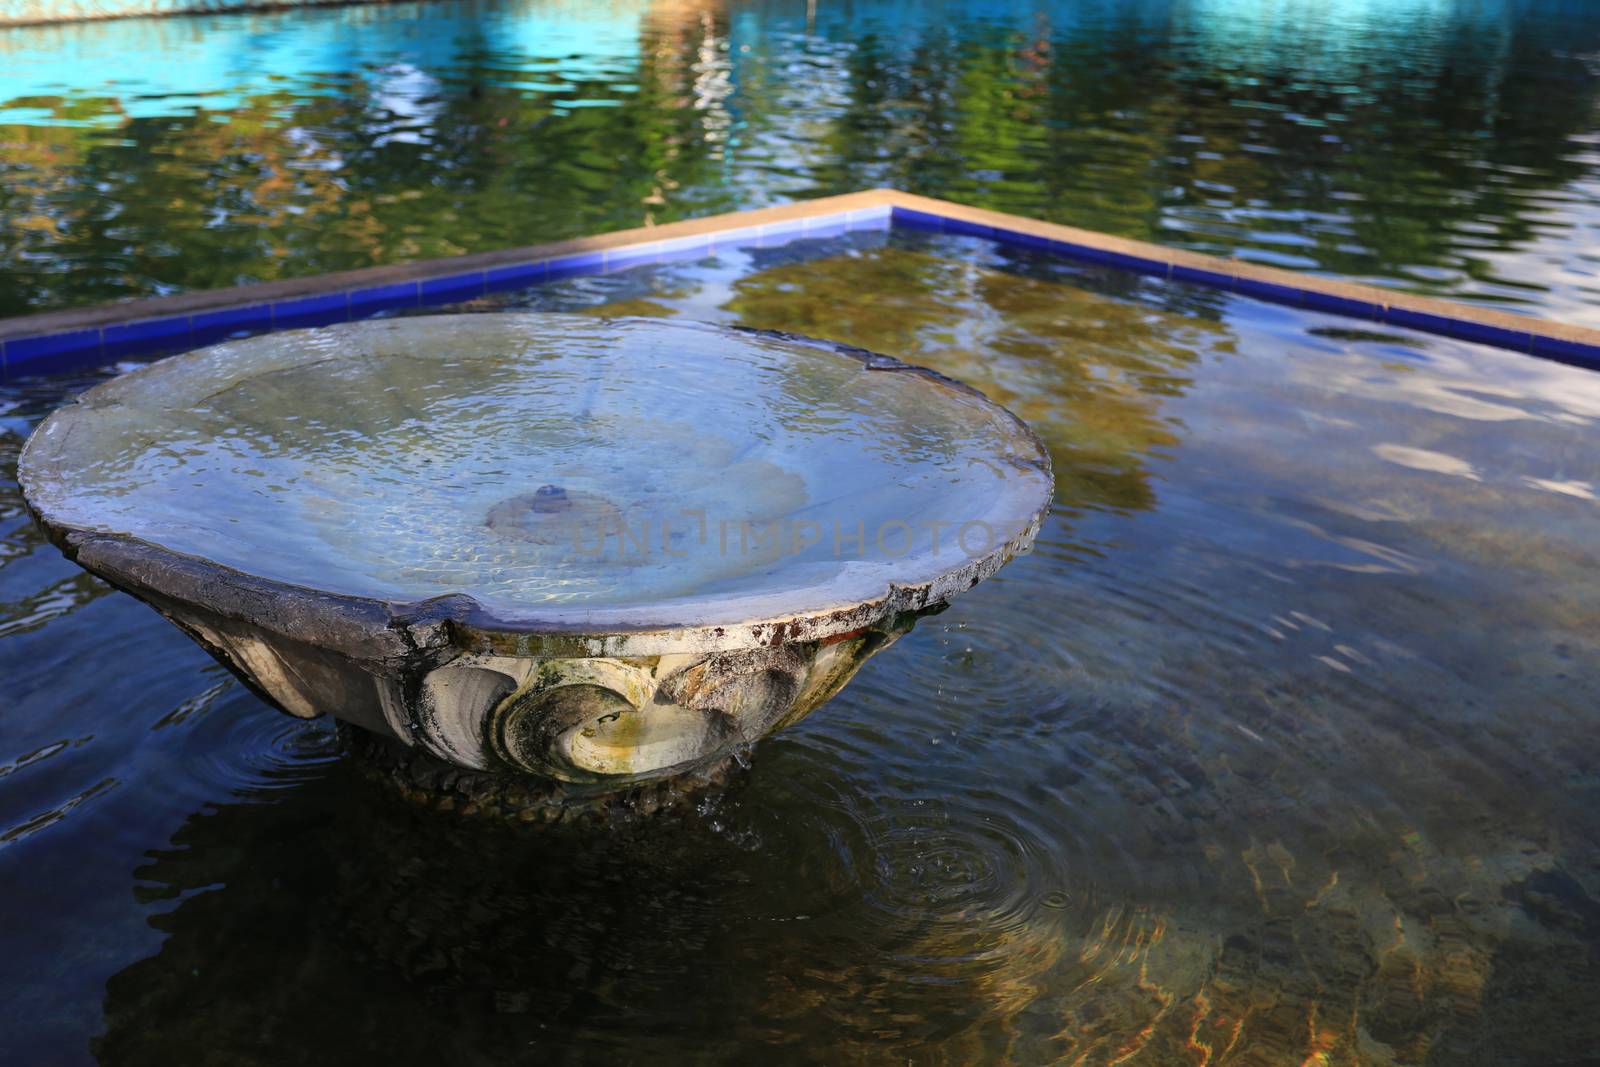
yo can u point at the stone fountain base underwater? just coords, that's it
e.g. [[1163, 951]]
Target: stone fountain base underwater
[[539, 563]]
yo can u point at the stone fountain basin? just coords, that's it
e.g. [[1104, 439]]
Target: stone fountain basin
[[595, 550]]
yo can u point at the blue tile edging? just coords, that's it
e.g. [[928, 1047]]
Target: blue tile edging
[[1525, 334], [126, 332], [61, 340]]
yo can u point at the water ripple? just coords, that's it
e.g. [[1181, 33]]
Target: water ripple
[[54, 815], [224, 742]]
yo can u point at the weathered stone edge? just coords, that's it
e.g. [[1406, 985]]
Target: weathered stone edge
[[1502, 329], [104, 332], [107, 331]]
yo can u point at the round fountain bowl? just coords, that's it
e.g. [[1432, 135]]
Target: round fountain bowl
[[596, 551]]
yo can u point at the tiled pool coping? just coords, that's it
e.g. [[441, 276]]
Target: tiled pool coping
[[35, 344]]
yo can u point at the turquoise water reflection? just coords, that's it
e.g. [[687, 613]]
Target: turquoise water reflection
[[1442, 146]]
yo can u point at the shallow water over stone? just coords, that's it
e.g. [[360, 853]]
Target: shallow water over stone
[[1282, 743], [633, 471]]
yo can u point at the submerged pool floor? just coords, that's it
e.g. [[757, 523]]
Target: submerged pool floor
[[1283, 743]]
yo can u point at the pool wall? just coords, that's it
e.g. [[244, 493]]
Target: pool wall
[[35, 344], [27, 12]]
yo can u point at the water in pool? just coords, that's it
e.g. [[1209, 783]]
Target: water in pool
[[1441, 145], [1281, 747], [403, 461]]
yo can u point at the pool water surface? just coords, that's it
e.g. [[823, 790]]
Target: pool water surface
[[1282, 746]]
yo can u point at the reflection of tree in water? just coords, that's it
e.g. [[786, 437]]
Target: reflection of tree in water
[[141, 204], [1419, 154], [1129, 121], [1087, 372]]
